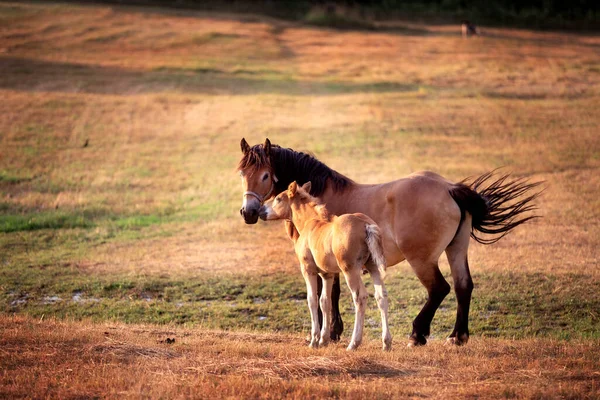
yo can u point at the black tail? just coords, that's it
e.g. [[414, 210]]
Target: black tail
[[494, 205]]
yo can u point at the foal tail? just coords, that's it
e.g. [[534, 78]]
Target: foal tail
[[494, 206], [375, 246]]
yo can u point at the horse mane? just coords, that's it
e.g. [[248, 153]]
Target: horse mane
[[313, 202], [289, 165]]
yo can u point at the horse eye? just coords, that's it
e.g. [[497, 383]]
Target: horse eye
[[265, 176]]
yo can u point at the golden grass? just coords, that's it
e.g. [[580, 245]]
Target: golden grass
[[163, 98], [63, 360]]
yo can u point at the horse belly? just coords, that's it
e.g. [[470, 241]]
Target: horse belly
[[424, 218], [393, 254]]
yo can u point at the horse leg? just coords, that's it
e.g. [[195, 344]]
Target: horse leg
[[437, 288], [319, 293], [359, 296], [325, 303], [463, 284], [311, 297], [337, 326], [382, 302]]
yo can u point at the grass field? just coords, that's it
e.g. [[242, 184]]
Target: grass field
[[119, 224]]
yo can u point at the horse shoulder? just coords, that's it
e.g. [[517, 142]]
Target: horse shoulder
[[305, 255]]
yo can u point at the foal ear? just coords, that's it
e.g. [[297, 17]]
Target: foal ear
[[307, 187], [245, 146], [292, 189], [267, 147]]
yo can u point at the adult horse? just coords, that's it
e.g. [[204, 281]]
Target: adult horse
[[420, 216]]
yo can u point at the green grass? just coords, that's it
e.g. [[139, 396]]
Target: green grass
[[505, 305], [44, 220], [15, 219], [13, 178]]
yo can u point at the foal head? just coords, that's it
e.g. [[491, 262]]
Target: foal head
[[258, 180], [297, 202]]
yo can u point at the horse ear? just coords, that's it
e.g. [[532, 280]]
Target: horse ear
[[292, 189], [307, 187], [267, 147], [245, 146]]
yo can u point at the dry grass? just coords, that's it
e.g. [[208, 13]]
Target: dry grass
[[67, 360], [162, 99]]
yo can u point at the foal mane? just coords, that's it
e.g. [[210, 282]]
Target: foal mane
[[313, 202], [289, 165]]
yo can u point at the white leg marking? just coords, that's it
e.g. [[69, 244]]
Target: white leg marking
[[325, 302], [382, 302], [359, 295], [312, 298]]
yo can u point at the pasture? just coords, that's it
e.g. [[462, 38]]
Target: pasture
[[119, 223]]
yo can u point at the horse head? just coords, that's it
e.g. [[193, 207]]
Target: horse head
[[258, 179], [284, 204]]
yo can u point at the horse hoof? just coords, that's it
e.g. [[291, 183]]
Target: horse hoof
[[457, 341], [416, 342], [387, 344], [352, 347], [323, 343], [314, 345]]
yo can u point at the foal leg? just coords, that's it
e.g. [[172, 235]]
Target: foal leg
[[325, 303], [382, 302], [437, 288], [359, 296], [311, 297], [463, 284], [337, 325]]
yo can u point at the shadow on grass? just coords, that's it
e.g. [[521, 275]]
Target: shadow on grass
[[31, 75]]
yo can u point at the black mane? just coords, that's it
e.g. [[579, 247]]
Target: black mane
[[289, 165]]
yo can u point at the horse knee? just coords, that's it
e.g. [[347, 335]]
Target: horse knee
[[466, 285], [323, 301], [360, 298], [381, 294], [463, 289]]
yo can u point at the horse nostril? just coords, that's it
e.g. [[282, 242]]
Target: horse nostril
[[241, 211]]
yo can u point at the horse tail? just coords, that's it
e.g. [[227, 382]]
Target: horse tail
[[496, 205], [374, 243]]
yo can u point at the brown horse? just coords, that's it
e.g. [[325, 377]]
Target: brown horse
[[326, 245], [420, 216]]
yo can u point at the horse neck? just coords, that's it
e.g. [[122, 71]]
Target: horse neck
[[302, 213], [289, 166]]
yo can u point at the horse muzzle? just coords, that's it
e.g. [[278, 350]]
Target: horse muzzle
[[250, 215], [263, 213]]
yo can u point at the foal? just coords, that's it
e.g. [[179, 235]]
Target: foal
[[326, 245]]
